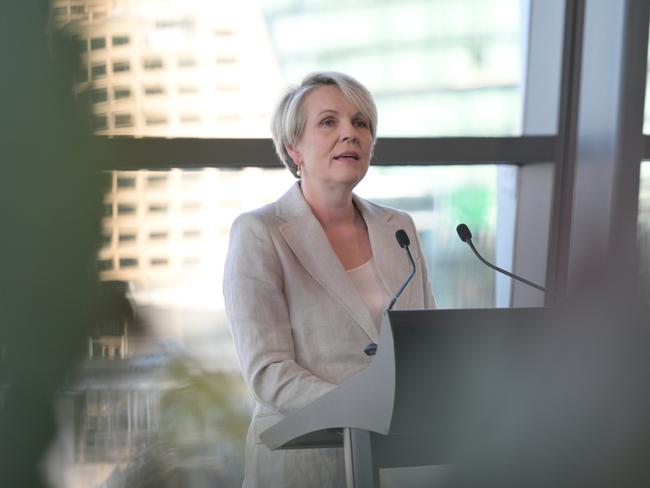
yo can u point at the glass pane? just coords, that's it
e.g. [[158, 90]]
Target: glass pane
[[161, 374], [436, 68]]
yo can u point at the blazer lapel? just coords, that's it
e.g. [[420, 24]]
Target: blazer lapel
[[306, 238], [391, 260]]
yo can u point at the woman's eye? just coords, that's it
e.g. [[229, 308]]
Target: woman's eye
[[361, 123], [327, 122]]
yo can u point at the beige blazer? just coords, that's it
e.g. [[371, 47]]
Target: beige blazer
[[300, 326]]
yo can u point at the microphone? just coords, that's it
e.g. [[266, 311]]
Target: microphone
[[404, 242], [466, 236]]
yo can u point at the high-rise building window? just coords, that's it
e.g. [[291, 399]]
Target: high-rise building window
[[159, 261], [156, 180], [155, 119], [190, 118], [121, 66], [59, 11], [128, 262], [158, 235], [191, 206], [126, 182], [226, 60], [121, 92], [97, 43], [127, 236], [154, 90], [123, 120], [227, 88], [120, 40], [83, 74], [77, 9], [99, 95], [153, 63], [105, 264], [108, 210], [100, 122], [187, 89], [158, 208], [126, 208], [192, 233], [223, 32], [186, 62], [98, 71], [82, 45]]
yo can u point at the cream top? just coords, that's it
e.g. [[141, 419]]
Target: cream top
[[369, 285]]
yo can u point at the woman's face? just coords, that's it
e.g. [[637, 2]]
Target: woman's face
[[336, 143]]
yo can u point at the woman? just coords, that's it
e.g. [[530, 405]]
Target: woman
[[308, 277]]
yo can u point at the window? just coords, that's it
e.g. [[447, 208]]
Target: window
[[186, 62], [156, 180], [128, 262], [155, 119], [190, 118], [97, 43], [108, 210], [191, 233], [126, 209], [154, 90], [98, 71], [158, 235], [105, 264], [159, 261], [100, 122], [59, 11], [83, 74], [127, 236], [121, 40], [192, 206], [156, 208], [121, 92], [153, 63], [123, 120], [99, 95], [121, 66], [226, 60], [126, 181], [82, 44], [187, 89], [77, 9]]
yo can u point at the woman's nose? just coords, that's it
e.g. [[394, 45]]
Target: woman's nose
[[349, 132]]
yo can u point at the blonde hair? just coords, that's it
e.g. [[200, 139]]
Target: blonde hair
[[288, 122]]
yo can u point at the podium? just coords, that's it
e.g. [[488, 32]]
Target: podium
[[412, 405]]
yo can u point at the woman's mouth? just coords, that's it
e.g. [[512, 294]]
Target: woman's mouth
[[348, 155]]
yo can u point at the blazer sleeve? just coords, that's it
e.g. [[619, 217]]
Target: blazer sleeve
[[259, 320]]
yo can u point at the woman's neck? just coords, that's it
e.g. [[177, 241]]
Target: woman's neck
[[332, 207]]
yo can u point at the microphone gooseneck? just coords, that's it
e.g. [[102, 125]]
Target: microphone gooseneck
[[404, 242], [466, 236]]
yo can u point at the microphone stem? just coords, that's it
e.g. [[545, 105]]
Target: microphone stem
[[408, 280], [501, 270]]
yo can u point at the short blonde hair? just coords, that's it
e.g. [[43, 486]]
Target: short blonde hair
[[289, 119]]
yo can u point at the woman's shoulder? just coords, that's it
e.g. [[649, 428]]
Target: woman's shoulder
[[255, 219]]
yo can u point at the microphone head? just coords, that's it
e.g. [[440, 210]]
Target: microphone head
[[464, 233], [402, 238]]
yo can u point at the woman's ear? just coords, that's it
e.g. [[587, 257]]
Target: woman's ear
[[294, 153]]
